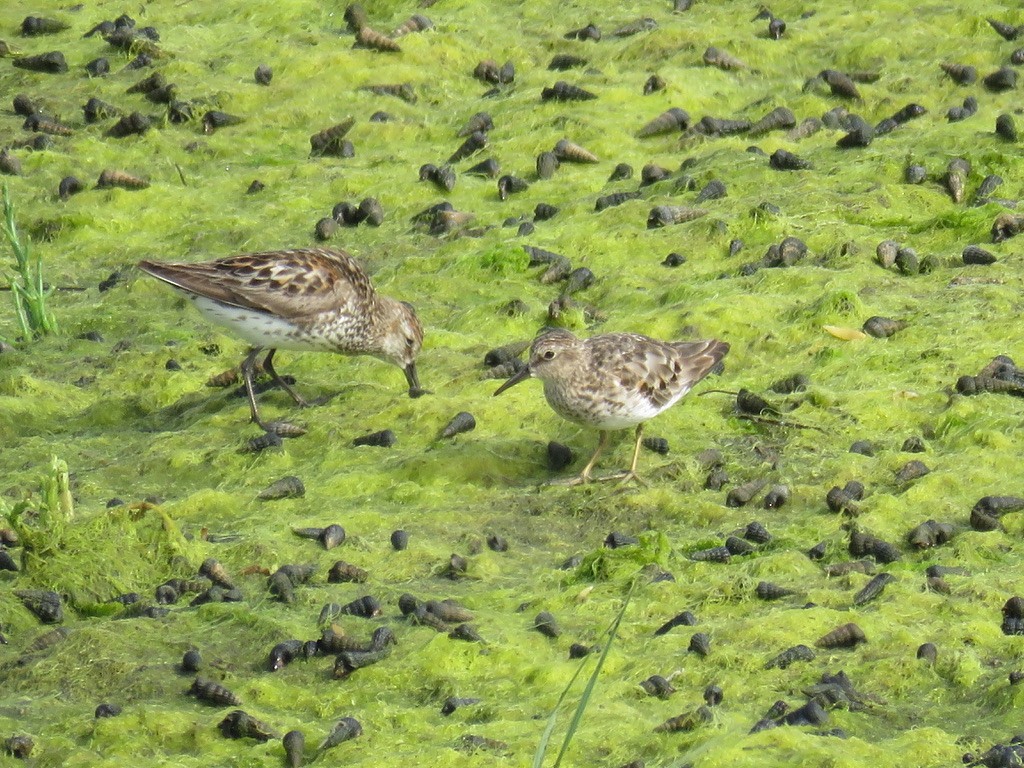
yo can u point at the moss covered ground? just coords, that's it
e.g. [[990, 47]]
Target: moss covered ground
[[102, 397]]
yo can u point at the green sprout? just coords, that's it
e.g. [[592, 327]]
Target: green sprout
[[27, 290], [581, 706]]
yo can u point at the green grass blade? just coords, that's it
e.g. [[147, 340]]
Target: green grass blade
[[19, 310], [581, 708], [38, 308], [542, 747], [29, 292], [541, 753]]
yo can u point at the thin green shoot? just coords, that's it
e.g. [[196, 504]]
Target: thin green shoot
[[27, 290], [588, 691], [542, 747]]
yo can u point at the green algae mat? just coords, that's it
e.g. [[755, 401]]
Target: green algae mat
[[126, 478]]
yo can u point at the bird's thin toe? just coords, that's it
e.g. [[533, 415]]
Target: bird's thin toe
[[568, 482]]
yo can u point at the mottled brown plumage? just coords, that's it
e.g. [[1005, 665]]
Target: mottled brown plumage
[[616, 380], [304, 299]]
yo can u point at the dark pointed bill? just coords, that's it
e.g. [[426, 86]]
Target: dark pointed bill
[[523, 375], [414, 381]]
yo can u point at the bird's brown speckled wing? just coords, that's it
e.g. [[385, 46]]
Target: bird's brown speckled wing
[[658, 371], [291, 284]]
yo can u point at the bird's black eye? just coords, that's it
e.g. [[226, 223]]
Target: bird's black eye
[[410, 342], [549, 354]]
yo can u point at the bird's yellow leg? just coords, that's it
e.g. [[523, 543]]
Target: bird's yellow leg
[[601, 444], [636, 448], [630, 474]]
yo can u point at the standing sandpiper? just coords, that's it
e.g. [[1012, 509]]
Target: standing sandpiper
[[615, 380], [304, 299]]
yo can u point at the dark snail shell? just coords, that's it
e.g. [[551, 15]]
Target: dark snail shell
[[288, 487], [790, 656], [210, 692], [367, 607], [45, 604], [563, 91], [873, 588], [656, 685], [242, 725], [37, 25], [716, 57], [294, 743], [345, 729], [467, 633], [114, 178], [700, 643], [687, 721], [768, 591], [383, 439], [329, 140], [570, 152], [52, 62], [373, 40], [462, 422], [546, 624], [415, 23], [844, 636]]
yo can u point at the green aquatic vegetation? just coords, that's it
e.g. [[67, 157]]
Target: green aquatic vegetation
[[28, 290], [652, 548], [41, 521]]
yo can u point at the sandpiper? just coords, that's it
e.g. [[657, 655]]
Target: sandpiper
[[615, 380], [303, 299]]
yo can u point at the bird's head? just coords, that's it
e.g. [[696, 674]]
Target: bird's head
[[553, 354], [402, 340]]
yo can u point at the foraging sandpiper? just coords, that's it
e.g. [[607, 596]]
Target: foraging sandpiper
[[615, 380], [303, 299]]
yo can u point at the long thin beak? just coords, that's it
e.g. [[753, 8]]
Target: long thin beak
[[523, 375], [414, 381]]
